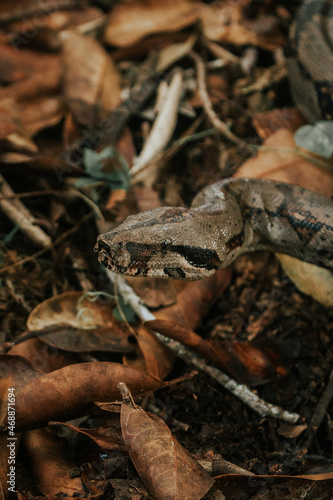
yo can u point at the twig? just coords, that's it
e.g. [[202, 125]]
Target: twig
[[202, 88], [321, 409], [61, 238], [21, 216], [239, 390]]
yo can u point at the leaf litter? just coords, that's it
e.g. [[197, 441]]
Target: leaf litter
[[78, 87]]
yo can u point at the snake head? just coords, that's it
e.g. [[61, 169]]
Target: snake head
[[165, 242]]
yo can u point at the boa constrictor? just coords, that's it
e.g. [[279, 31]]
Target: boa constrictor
[[236, 216]]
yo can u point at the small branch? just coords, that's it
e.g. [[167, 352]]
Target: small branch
[[202, 88], [21, 216], [239, 390], [61, 238]]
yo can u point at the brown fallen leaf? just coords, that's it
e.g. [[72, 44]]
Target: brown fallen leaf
[[72, 390], [76, 309], [195, 299], [71, 339], [153, 357], [130, 22], [225, 22], [278, 159], [41, 356], [50, 465], [167, 469], [91, 81], [249, 363], [107, 437]]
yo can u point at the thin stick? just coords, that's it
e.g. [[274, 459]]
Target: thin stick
[[206, 102], [239, 390], [21, 216], [49, 247]]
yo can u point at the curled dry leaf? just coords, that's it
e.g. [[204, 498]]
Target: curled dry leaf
[[79, 323], [72, 390], [130, 22], [107, 437], [268, 487], [91, 82], [167, 469], [154, 357], [51, 467], [225, 22]]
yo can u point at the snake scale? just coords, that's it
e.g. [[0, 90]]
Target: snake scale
[[236, 216]]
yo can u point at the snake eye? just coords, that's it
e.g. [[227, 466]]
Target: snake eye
[[165, 245], [101, 245]]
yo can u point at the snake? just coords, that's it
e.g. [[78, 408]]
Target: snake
[[240, 215]]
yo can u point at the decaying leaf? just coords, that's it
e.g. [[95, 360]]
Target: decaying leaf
[[167, 469]]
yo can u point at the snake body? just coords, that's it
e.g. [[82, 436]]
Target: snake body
[[235, 216]]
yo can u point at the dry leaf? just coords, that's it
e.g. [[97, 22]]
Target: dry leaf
[[153, 357], [41, 356], [247, 362], [72, 390], [91, 81], [162, 129], [167, 469], [130, 22], [195, 299], [51, 467], [107, 437], [225, 22]]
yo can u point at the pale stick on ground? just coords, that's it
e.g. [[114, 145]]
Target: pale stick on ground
[[239, 390]]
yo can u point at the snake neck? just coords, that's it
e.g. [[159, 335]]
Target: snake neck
[[282, 218]]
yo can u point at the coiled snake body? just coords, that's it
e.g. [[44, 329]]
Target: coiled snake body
[[236, 216]]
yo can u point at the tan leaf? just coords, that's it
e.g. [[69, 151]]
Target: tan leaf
[[167, 469], [41, 356], [224, 22], [130, 22], [91, 81]]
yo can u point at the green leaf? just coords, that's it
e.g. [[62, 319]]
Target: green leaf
[[93, 163], [317, 138]]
